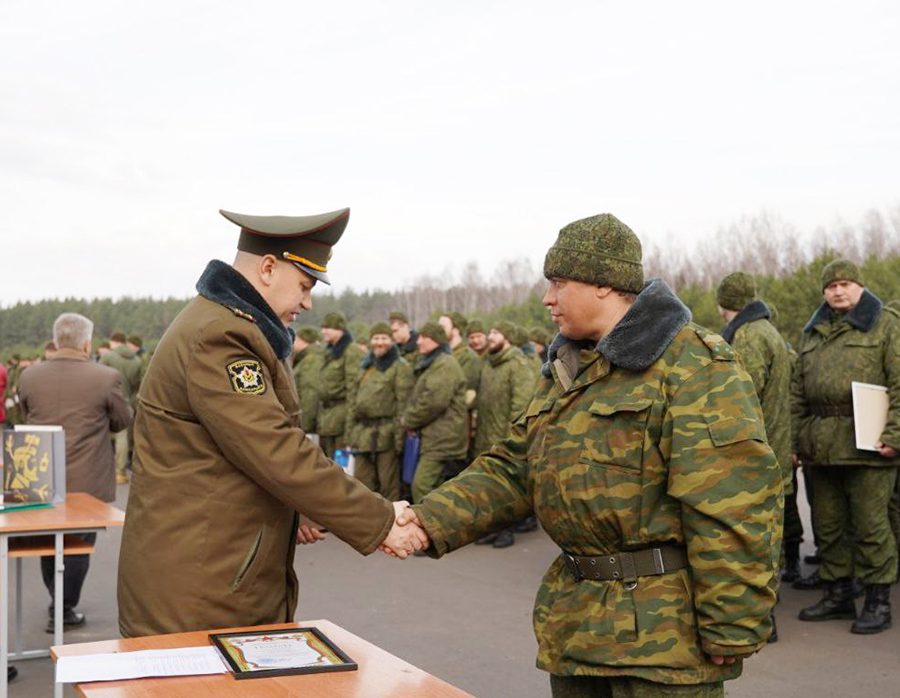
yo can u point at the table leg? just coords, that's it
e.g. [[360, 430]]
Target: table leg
[[19, 628], [4, 612], [59, 603]]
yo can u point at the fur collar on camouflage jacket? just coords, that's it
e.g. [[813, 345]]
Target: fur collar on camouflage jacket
[[862, 317], [223, 284], [643, 334], [336, 351], [427, 359], [757, 310], [382, 363]]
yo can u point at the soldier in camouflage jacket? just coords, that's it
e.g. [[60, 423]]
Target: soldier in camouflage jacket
[[648, 443], [340, 374], [308, 361]]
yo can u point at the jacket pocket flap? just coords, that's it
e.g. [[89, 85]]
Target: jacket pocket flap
[[730, 431], [535, 407], [869, 342], [605, 408]]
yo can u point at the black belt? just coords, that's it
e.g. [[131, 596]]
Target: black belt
[[627, 566], [822, 410]]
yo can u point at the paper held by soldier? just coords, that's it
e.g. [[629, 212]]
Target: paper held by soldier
[[870, 410]]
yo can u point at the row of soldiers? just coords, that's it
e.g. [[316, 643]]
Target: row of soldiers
[[806, 399], [450, 384]]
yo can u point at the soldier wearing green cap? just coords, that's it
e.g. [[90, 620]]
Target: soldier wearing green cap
[[374, 430], [340, 377], [476, 336], [437, 409], [308, 362], [894, 505], [454, 326], [643, 453], [222, 471], [404, 337], [126, 362], [540, 341], [850, 337]]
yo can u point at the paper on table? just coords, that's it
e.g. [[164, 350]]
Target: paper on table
[[115, 666]]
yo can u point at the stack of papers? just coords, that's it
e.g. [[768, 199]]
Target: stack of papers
[[117, 666]]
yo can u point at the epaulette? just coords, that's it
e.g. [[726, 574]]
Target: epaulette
[[718, 347], [892, 310], [241, 314]]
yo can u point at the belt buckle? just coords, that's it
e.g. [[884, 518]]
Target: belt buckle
[[572, 564]]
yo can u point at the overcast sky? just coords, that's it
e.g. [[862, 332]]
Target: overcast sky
[[454, 131]]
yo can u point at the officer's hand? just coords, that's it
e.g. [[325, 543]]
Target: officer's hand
[[795, 459], [308, 534], [886, 451], [405, 537]]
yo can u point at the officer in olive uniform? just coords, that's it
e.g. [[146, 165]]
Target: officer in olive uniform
[[374, 431], [221, 469], [308, 362], [643, 453], [851, 337], [340, 376]]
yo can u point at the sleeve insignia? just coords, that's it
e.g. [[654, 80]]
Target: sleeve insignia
[[246, 376]]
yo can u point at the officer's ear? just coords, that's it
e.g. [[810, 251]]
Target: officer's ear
[[267, 268]]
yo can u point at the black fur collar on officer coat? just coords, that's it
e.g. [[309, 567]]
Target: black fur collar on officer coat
[[427, 359], [643, 334], [757, 310], [223, 284], [337, 350], [862, 317], [382, 363]]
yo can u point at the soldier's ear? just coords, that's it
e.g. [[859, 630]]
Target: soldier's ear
[[603, 291]]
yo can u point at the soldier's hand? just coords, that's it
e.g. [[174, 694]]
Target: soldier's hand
[[723, 659], [405, 537], [309, 534], [886, 451], [795, 459]]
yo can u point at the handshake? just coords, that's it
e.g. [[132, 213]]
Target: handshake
[[405, 537]]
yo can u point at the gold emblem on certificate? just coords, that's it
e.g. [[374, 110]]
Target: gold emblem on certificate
[[280, 652]]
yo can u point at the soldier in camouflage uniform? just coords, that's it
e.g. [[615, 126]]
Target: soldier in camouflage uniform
[[404, 337], [507, 384], [340, 376], [851, 337], [437, 408], [374, 427], [121, 358], [643, 452], [308, 362], [894, 504], [540, 341], [477, 338], [454, 325], [522, 341]]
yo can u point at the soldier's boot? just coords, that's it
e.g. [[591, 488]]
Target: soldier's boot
[[791, 571], [876, 614], [526, 525], [504, 539], [810, 581], [488, 539], [835, 604], [774, 636]]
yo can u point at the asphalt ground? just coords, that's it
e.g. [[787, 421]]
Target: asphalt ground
[[467, 619]]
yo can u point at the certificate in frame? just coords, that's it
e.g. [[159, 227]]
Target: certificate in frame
[[264, 653]]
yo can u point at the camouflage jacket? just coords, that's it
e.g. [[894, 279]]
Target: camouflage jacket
[[128, 364], [340, 375], [507, 384], [437, 406], [836, 349], [764, 354], [307, 376], [469, 363], [652, 436], [374, 418]]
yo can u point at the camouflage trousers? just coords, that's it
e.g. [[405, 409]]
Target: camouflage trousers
[[380, 472], [628, 687], [850, 510], [120, 446], [894, 511], [429, 474]]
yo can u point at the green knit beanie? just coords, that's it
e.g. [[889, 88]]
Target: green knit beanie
[[459, 321], [599, 250], [380, 328], [434, 331], [398, 315], [474, 326], [308, 334], [841, 270], [736, 291], [335, 321], [539, 335], [506, 328]]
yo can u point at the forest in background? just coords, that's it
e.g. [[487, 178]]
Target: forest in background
[[786, 263]]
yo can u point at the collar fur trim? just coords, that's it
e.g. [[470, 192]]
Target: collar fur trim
[[337, 350], [643, 334], [427, 359], [862, 317], [411, 345], [757, 310], [223, 284], [382, 363]]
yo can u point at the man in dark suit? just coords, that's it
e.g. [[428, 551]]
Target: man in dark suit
[[86, 399]]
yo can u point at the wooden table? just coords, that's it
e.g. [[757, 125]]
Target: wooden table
[[80, 513], [380, 674]]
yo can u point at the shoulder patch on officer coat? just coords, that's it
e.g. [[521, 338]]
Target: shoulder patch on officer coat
[[246, 376]]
